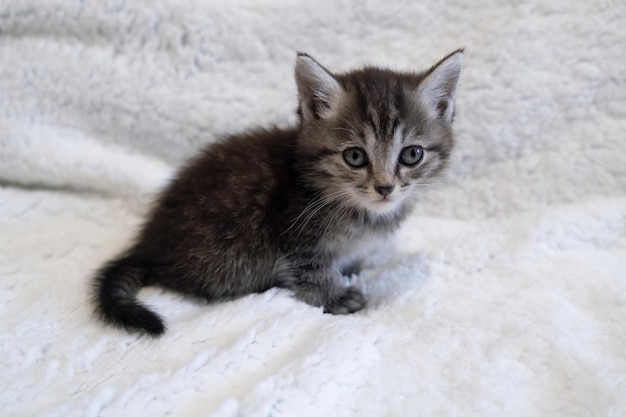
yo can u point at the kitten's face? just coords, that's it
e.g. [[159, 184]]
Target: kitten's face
[[380, 169], [375, 139]]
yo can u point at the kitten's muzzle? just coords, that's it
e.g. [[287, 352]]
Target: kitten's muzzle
[[384, 190]]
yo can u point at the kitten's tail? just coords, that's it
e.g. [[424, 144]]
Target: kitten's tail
[[115, 290]]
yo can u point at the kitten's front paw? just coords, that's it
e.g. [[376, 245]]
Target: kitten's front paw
[[352, 269], [352, 300]]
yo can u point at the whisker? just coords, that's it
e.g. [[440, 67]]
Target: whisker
[[336, 215], [311, 210], [308, 211]]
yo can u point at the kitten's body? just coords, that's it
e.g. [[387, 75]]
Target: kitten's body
[[290, 208]]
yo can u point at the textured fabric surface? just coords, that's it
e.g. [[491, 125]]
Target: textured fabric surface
[[505, 293]]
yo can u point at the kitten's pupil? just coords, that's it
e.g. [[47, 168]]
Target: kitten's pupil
[[411, 155], [355, 157]]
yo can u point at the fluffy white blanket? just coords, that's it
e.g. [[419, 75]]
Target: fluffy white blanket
[[505, 294]]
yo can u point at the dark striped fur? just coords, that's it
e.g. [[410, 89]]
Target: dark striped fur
[[283, 207]]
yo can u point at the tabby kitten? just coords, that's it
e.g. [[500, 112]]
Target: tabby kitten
[[292, 208]]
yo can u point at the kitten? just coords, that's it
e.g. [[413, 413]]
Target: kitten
[[290, 207]]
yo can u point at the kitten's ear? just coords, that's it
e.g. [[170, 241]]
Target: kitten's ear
[[318, 90], [436, 91]]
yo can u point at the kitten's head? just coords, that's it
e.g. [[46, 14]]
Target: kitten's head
[[373, 138]]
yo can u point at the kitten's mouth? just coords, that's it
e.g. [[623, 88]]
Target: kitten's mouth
[[386, 199], [382, 205], [376, 203]]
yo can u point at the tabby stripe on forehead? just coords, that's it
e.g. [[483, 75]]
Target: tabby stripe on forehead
[[382, 114], [361, 101], [376, 119], [373, 125], [394, 125], [396, 106]]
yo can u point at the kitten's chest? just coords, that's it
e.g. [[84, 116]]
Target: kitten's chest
[[348, 250]]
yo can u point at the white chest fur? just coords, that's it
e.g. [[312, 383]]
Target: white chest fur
[[351, 251]]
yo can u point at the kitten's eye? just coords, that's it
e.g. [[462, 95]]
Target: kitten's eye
[[411, 155], [355, 157]]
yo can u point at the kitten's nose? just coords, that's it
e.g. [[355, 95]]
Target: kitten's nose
[[384, 190]]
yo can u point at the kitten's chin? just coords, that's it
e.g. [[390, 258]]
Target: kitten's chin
[[382, 206]]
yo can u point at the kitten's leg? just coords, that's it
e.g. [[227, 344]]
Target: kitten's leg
[[353, 268], [315, 282]]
